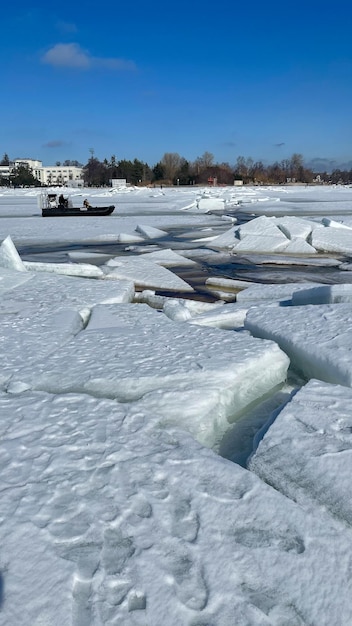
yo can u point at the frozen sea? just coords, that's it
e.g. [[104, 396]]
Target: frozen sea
[[175, 408]]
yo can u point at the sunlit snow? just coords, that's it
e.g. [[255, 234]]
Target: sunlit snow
[[140, 353]]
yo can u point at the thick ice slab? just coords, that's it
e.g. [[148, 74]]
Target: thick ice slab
[[295, 227], [307, 452], [68, 269], [317, 338], [9, 256], [28, 334], [299, 246], [273, 292], [150, 232], [106, 518], [42, 289], [120, 356], [262, 243], [41, 314], [262, 227], [168, 258], [145, 274], [332, 239], [325, 294], [229, 316]]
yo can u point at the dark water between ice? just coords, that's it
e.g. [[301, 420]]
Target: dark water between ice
[[210, 263]]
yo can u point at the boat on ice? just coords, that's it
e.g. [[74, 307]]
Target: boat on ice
[[53, 205]]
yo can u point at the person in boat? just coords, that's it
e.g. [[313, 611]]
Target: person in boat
[[86, 204], [63, 201]]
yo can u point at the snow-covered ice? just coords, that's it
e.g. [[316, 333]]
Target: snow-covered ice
[[306, 452], [116, 404]]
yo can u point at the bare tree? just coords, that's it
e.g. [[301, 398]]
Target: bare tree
[[205, 161], [171, 163]]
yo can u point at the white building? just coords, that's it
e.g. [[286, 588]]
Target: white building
[[68, 175]]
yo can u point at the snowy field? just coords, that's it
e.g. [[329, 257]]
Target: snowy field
[[167, 458]]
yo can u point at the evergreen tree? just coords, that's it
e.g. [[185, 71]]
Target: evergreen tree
[[22, 176], [5, 160]]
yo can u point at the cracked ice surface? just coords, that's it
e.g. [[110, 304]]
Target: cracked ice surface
[[307, 452], [129, 350], [111, 513], [107, 519], [320, 347]]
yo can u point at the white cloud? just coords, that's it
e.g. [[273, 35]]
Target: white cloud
[[72, 55]]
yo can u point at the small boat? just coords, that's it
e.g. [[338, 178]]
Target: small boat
[[52, 206]]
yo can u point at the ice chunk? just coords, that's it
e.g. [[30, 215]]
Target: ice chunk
[[225, 288], [299, 246], [261, 226], [228, 283], [325, 294], [226, 240], [307, 452], [210, 204], [26, 338], [227, 316], [69, 269], [176, 310], [150, 232], [124, 361], [168, 258], [294, 227], [320, 347], [9, 256], [326, 221], [271, 292], [147, 274], [332, 239], [262, 243]]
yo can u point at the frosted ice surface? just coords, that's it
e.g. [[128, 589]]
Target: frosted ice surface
[[229, 316], [332, 239], [318, 338], [144, 351], [105, 516], [299, 246], [28, 335], [146, 274], [325, 294], [262, 243], [294, 227], [307, 452], [69, 269], [10, 279], [227, 283], [326, 221], [9, 256], [150, 232], [282, 259], [261, 226], [48, 289], [271, 292], [226, 239], [168, 258], [210, 204]]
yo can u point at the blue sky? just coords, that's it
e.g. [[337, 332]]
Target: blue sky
[[260, 79]]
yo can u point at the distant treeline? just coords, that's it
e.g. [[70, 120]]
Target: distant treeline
[[174, 169]]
